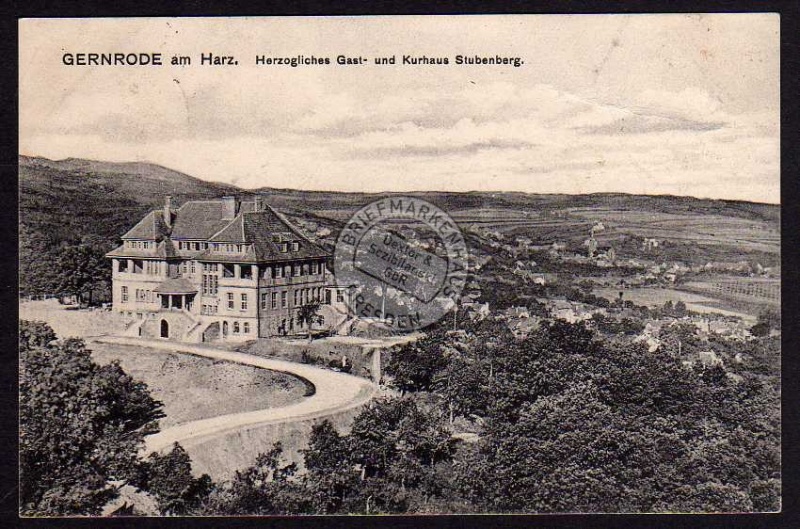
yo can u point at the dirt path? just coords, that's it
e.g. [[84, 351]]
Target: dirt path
[[334, 393]]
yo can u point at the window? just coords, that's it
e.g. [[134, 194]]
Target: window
[[244, 301], [123, 265], [296, 298], [339, 296], [274, 300], [296, 270], [230, 300], [295, 246], [184, 268], [192, 267], [236, 327], [284, 299], [227, 270], [209, 284], [246, 271], [284, 247], [124, 294], [247, 327], [305, 269], [278, 271], [263, 301]]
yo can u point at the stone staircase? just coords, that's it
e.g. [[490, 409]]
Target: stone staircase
[[195, 333], [134, 328]]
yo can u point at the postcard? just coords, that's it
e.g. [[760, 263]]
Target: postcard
[[494, 264]]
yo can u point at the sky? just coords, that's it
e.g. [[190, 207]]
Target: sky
[[644, 104]]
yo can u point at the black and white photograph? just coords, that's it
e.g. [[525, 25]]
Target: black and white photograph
[[400, 265]]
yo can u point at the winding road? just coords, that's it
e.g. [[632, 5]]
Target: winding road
[[334, 393]]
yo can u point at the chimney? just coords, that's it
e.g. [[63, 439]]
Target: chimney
[[231, 207], [168, 211], [257, 201]]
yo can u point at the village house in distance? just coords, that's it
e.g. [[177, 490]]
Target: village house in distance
[[219, 270]]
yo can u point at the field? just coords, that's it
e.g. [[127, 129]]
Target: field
[[193, 388], [652, 297], [68, 321], [746, 290], [746, 234]]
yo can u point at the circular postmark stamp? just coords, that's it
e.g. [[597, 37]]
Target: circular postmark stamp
[[401, 261]]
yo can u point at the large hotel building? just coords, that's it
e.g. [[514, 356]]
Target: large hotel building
[[220, 270]]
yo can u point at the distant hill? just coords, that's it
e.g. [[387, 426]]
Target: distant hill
[[63, 202]]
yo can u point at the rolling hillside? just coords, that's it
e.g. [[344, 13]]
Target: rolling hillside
[[64, 202]]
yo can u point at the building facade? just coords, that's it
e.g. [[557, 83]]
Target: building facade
[[220, 270]]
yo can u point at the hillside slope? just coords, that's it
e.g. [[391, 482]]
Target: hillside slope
[[64, 202]]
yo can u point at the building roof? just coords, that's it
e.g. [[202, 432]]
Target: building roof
[[205, 220], [164, 250], [150, 228], [201, 219], [177, 285]]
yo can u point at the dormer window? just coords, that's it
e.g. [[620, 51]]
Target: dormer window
[[284, 247], [295, 246]]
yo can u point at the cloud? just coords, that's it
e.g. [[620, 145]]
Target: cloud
[[642, 124], [495, 136]]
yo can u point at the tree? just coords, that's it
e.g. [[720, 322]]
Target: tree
[[82, 269], [34, 334], [37, 275], [308, 315], [575, 425], [81, 425], [398, 445], [332, 475], [768, 319], [415, 365], [169, 478], [268, 487]]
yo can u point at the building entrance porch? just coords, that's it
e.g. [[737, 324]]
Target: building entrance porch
[[177, 301]]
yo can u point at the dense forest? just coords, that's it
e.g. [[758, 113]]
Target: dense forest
[[563, 420]]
